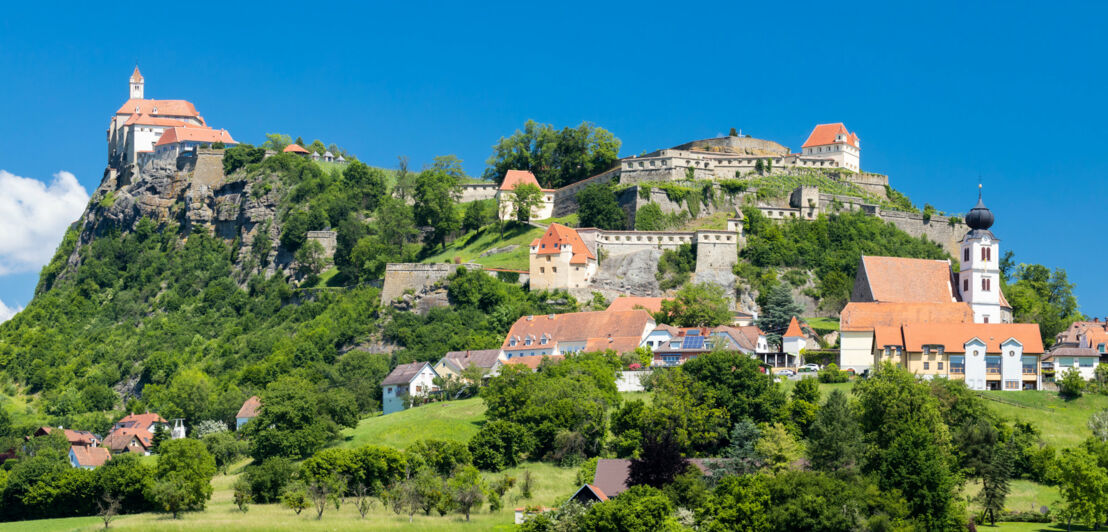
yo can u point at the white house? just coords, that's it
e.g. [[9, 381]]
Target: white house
[[407, 380], [545, 208], [793, 341], [140, 122], [178, 140], [833, 141], [87, 457], [1083, 359]]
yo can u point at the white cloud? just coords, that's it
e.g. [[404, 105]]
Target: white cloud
[[34, 217], [7, 313]]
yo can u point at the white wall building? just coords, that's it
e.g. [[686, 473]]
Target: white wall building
[[140, 122], [406, 381], [979, 278], [833, 141]]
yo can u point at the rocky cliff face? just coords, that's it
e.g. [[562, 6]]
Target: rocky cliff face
[[191, 196]]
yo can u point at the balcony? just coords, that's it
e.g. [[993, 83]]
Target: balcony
[[957, 369]]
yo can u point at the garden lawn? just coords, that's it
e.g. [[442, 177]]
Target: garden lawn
[[451, 420], [1023, 495], [470, 246], [1063, 423]]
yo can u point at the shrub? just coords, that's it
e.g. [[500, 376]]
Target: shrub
[[831, 374], [500, 444], [268, 479], [1071, 384]]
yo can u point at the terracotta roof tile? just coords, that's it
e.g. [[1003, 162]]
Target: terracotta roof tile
[[90, 456], [518, 177], [558, 236], [794, 330], [824, 134], [142, 421], [295, 148], [625, 328], [194, 134], [652, 304], [1071, 352], [147, 120], [534, 362], [250, 408], [953, 336], [898, 279], [858, 316], [163, 108], [119, 439], [483, 358], [136, 76]]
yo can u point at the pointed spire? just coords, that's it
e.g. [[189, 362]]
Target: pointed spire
[[136, 77]]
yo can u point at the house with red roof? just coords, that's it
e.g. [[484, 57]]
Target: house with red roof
[[834, 141], [248, 411], [176, 141], [673, 346], [297, 149], [88, 457], [560, 259], [504, 196], [129, 440], [574, 332]]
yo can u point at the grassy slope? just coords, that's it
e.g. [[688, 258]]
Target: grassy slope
[[1063, 423], [452, 420], [470, 246]]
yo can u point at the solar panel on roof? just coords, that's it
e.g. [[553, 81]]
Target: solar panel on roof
[[693, 342]]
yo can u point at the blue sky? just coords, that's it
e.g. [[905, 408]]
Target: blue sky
[[941, 95]]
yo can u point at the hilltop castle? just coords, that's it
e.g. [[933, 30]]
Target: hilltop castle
[[143, 130]]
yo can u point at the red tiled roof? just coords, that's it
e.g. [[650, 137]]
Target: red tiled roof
[[142, 421], [825, 134], [295, 148], [119, 440], [519, 177], [194, 134], [1071, 352], [556, 237], [533, 362], [74, 437], [482, 358], [625, 328], [652, 304], [611, 474], [794, 330], [862, 316], [899, 279], [953, 336], [136, 76], [163, 107], [147, 120], [250, 408], [90, 456]]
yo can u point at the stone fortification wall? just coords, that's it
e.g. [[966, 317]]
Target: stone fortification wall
[[565, 198], [401, 277], [622, 242], [832, 202], [632, 201], [327, 239], [474, 192], [873, 183], [736, 145], [209, 168], [716, 251], [938, 229]]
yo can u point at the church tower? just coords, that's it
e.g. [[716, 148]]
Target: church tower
[[979, 277], [136, 84]]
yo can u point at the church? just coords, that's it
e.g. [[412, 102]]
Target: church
[[139, 124], [938, 320]]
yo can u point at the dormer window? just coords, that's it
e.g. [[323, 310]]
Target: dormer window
[[512, 342], [543, 340], [527, 341]]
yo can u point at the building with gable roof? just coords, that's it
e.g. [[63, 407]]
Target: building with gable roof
[[835, 142], [673, 346], [129, 440], [178, 140], [405, 383], [77, 438], [454, 362], [794, 340], [146, 421], [248, 411], [560, 259], [297, 149], [650, 304], [1083, 360], [515, 178], [575, 332], [88, 457]]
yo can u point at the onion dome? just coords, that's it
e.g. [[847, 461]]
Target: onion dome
[[979, 217]]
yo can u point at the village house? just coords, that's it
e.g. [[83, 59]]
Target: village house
[[87, 457], [649, 304], [504, 196], [147, 421], [673, 346], [454, 362], [79, 438], [405, 382], [793, 341], [178, 140], [129, 440], [1082, 359], [833, 141], [987, 356], [534, 362], [575, 332], [296, 149], [560, 259], [248, 411], [1090, 334]]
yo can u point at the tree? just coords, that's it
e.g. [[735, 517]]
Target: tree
[[598, 207], [1084, 488], [557, 158], [778, 310], [777, 448], [436, 190], [1040, 295], [319, 493], [477, 215], [499, 444], [696, 305], [739, 385], [526, 197], [295, 497], [739, 503], [741, 453], [1071, 384], [659, 462], [294, 421], [467, 489], [241, 494], [269, 479], [225, 448], [1098, 424], [430, 490], [994, 481], [183, 475], [108, 506], [276, 141], [311, 258], [158, 438], [835, 437], [366, 182], [640, 509]]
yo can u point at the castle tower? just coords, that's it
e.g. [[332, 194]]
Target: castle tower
[[979, 277], [136, 84]]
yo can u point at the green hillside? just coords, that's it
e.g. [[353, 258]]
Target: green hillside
[[470, 246], [452, 420]]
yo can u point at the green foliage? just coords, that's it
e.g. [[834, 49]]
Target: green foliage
[[597, 207], [696, 305], [296, 420], [778, 310], [436, 190], [478, 214], [899, 201], [1042, 296], [442, 456], [241, 155], [268, 479], [225, 448], [1072, 384], [639, 509], [835, 439], [777, 448], [526, 197], [675, 266], [183, 476], [739, 384], [276, 141], [732, 187], [467, 489], [557, 158], [1084, 488], [499, 444]]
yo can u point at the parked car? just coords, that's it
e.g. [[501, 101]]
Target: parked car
[[785, 372], [809, 367]]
